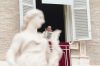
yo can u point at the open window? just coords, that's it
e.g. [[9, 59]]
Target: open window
[[75, 16], [54, 16]]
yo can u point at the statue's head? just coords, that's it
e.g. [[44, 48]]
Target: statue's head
[[35, 17]]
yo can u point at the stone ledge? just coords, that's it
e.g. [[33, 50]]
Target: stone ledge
[[77, 56], [94, 65]]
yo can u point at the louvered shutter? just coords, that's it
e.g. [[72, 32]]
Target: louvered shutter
[[81, 17], [25, 5]]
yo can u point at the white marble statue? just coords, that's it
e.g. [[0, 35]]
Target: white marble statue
[[31, 48]]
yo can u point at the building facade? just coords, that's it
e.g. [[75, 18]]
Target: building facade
[[85, 50]]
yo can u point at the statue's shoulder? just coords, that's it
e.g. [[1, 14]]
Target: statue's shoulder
[[41, 34], [19, 35]]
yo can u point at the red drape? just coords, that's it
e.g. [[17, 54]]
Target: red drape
[[65, 60]]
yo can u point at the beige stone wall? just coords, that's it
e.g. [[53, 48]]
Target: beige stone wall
[[93, 46], [9, 24]]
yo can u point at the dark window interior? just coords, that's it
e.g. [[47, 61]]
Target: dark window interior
[[54, 16]]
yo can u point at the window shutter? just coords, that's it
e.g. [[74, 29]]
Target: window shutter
[[81, 20], [25, 5]]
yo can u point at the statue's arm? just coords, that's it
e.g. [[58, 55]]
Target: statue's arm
[[57, 49], [55, 41], [13, 50], [56, 53]]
